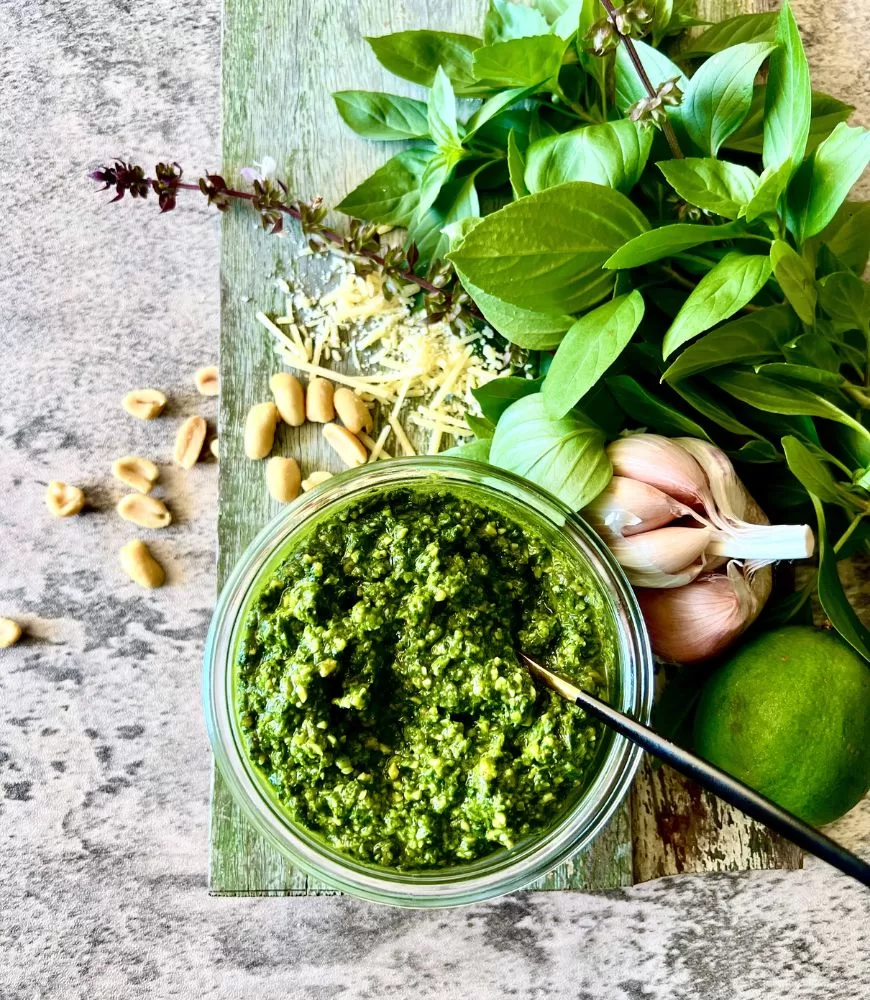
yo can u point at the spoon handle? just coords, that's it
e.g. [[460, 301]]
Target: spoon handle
[[728, 788]]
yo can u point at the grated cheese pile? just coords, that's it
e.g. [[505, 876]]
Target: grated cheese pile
[[417, 371]]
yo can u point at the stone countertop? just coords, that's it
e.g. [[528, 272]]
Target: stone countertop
[[104, 762]]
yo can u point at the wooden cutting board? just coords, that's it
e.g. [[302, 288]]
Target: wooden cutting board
[[281, 61]]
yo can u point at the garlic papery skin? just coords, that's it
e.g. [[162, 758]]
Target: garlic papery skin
[[630, 507], [729, 494], [649, 559], [660, 462], [693, 623]]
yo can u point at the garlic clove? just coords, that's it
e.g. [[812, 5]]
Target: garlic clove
[[658, 461], [630, 507], [729, 494], [693, 623], [661, 551]]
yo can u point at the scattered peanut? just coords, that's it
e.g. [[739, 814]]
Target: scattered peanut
[[144, 404], [10, 633], [189, 442], [260, 429], [352, 410], [207, 380], [147, 512], [289, 398], [140, 473], [315, 479], [214, 447], [63, 500], [347, 446], [319, 401], [140, 565], [283, 479]]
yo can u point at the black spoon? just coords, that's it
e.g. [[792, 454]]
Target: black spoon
[[712, 778]]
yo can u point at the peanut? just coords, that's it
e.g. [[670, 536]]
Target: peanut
[[137, 472], [214, 447], [283, 479], [318, 401], [189, 441], [260, 429], [347, 446], [352, 410], [315, 479], [10, 633], [147, 512], [63, 500], [289, 398], [140, 565], [144, 404], [207, 380]]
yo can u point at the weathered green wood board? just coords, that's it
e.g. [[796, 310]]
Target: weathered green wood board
[[281, 60]]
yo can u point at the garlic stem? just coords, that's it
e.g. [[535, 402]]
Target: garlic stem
[[763, 543]]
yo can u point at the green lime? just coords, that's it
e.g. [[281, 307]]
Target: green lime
[[789, 714]]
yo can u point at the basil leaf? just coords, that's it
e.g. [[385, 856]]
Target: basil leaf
[[812, 350], [848, 235], [472, 451], [629, 87], [575, 20], [650, 411], [416, 56], [813, 474], [663, 11], [481, 427], [714, 185], [435, 175], [392, 193], [710, 408], [521, 62], [788, 98], [589, 348], [724, 289], [545, 252], [767, 195], [442, 114], [719, 95], [527, 328], [565, 456], [772, 396], [825, 113], [505, 20], [382, 116], [804, 374], [613, 154], [796, 279], [457, 201], [498, 394], [846, 299], [494, 106], [733, 31], [760, 452], [754, 337], [667, 241], [516, 167], [832, 597], [824, 179]]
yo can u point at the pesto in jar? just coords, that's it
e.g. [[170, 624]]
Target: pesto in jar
[[379, 692]]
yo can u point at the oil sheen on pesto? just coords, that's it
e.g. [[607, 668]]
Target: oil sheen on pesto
[[379, 691]]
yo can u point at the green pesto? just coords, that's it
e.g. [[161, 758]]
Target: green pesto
[[378, 690]]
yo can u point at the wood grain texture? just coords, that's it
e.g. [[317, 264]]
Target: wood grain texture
[[677, 826], [281, 61]]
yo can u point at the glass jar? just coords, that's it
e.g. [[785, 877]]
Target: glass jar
[[630, 687]]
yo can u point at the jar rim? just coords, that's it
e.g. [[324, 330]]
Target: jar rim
[[502, 871]]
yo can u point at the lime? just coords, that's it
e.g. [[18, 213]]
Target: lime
[[789, 714]]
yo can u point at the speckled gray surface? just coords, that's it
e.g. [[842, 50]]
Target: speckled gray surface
[[104, 762]]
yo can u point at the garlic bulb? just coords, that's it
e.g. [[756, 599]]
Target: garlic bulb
[[693, 623], [629, 507]]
